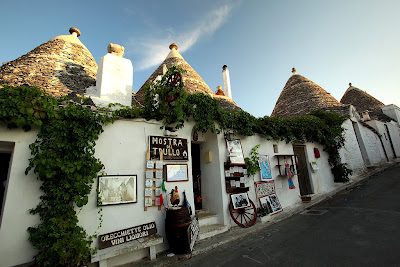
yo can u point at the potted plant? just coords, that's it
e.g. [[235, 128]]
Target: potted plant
[[306, 198]]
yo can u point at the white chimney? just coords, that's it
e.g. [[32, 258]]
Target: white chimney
[[114, 78], [227, 81], [365, 115]]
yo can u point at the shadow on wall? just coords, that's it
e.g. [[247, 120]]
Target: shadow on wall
[[75, 78]]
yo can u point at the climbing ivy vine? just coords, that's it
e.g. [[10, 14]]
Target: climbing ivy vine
[[63, 153]]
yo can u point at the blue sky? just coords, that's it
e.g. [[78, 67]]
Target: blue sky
[[329, 42]]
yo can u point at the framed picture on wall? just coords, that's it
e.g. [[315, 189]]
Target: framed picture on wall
[[235, 151], [176, 172], [265, 167], [117, 189], [271, 203], [240, 200]]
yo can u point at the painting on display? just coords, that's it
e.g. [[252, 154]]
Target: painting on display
[[117, 189], [176, 172], [240, 201], [271, 203], [235, 151], [265, 167], [265, 188]]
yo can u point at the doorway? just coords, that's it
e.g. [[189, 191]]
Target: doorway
[[302, 171], [196, 174], [4, 167]]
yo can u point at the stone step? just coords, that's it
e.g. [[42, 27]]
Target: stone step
[[207, 218], [211, 230]]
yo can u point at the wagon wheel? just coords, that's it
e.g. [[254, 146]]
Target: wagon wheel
[[174, 80], [244, 217]]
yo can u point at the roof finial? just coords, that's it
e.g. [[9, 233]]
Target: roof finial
[[219, 91], [173, 45], [294, 71], [75, 31], [350, 84]]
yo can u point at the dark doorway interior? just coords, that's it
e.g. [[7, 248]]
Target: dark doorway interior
[[4, 165], [302, 171], [196, 174]]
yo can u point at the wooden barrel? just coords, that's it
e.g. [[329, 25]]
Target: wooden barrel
[[176, 227]]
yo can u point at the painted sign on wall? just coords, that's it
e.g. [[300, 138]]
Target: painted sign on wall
[[172, 148], [126, 235]]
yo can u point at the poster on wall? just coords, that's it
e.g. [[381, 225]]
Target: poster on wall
[[271, 203], [235, 151], [265, 188], [117, 189], [265, 167]]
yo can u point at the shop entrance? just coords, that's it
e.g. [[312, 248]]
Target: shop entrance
[[302, 171], [196, 174]]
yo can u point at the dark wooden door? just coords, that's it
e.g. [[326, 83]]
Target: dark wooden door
[[302, 171]]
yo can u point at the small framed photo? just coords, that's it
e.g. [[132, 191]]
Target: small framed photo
[[159, 174], [149, 174], [117, 189], [159, 165], [271, 203], [240, 200], [150, 164], [176, 172], [149, 182]]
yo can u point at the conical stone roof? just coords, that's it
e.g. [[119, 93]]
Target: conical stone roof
[[192, 81], [300, 96], [60, 66], [361, 100]]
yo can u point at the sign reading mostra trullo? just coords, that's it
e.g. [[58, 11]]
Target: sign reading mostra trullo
[[126, 235], [172, 148]]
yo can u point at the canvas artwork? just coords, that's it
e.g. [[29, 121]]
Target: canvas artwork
[[118, 189], [265, 188], [271, 203], [240, 201], [265, 167]]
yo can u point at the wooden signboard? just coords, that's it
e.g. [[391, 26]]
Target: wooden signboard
[[126, 235], [172, 148]]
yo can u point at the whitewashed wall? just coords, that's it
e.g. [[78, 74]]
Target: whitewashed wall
[[395, 135], [22, 194], [373, 147], [122, 149]]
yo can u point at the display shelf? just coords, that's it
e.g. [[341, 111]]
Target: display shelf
[[235, 172], [281, 162]]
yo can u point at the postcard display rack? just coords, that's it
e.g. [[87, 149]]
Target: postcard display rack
[[153, 183], [236, 179]]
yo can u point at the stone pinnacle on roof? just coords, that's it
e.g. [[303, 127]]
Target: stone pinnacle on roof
[[60, 66], [360, 99], [192, 80], [74, 31], [173, 45], [300, 96]]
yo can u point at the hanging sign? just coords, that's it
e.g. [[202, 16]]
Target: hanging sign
[[126, 235], [171, 148]]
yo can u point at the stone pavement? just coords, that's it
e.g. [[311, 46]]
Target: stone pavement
[[238, 233]]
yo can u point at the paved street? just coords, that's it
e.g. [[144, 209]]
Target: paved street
[[359, 227]]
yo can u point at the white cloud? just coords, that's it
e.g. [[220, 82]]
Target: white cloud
[[151, 52]]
